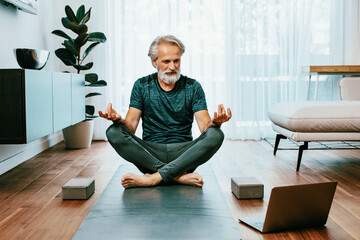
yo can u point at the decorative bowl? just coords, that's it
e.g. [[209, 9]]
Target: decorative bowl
[[31, 58]]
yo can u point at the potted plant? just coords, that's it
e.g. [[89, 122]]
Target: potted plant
[[72, 54]]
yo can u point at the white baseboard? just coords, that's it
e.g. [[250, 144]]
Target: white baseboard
[[24, 152]]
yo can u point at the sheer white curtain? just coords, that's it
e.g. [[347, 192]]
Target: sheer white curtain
[[267, 43], [246, 54]]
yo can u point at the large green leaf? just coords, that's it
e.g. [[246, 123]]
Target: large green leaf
[[84, 67], [91, 77], [69, 45], [70, 14], [92, 94], [82, 29], [88, 50], [65, 56], [61, 34], [79, 29], [81, 40], [97, 37], [100, 83], [65, 22], [80, 13], [86, 18], [89, 109]]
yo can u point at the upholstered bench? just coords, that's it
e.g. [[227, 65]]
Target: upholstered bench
[[319, 121]]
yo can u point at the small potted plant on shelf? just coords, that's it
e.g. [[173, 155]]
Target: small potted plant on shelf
[[72, 54]]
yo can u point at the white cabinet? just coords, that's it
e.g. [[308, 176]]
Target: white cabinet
[[78, 98], [61, 100], [36, 103]]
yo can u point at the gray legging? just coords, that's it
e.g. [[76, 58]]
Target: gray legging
[[170, 160]]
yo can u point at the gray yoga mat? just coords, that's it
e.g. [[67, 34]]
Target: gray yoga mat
[[162, 212]]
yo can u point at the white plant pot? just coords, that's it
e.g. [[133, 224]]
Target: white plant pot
[[79, 135]]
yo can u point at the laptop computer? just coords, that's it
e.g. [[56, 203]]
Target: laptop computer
[[295, 207]]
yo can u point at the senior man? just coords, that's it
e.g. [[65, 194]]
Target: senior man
[[166, 102]]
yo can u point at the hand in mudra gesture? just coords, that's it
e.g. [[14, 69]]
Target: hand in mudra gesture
[[110, 114], [221, 116]]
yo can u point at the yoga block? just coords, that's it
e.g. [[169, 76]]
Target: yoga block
[[78, 189], [247, 187]]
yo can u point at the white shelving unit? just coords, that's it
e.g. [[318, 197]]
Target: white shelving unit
[[29, 6]]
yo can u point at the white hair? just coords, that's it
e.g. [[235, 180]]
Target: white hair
[[153, 49]]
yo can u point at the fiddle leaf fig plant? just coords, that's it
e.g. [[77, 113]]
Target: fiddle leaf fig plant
[[73, 54]]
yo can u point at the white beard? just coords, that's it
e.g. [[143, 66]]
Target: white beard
[[169, 79]]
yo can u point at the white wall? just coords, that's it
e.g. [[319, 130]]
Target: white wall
[[23, 30]]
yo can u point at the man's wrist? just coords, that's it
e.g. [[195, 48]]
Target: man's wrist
[[217, 125], [118, 121]]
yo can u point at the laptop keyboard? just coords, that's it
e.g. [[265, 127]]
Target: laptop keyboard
[[255, 222], [259, 225]]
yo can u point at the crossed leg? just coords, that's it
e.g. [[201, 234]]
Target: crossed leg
[[153, 158]]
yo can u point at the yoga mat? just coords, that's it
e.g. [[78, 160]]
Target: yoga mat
[[161, 212]]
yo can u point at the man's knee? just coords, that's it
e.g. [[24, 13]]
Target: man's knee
[[111, 131], [115, 133], [214, 136]]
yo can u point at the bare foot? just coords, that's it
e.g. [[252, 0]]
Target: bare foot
[[193, 179], [130, 180]]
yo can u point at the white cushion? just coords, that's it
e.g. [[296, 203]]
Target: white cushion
[[349, 89], [321, 116]]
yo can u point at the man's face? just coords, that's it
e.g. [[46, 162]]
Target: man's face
[[168, 62]]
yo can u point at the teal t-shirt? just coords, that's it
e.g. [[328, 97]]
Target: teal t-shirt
[[167, 117]]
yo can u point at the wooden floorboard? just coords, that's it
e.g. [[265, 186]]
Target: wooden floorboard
[[254, 158], [32, 208]]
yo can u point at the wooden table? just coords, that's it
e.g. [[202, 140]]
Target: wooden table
[[353, 70]]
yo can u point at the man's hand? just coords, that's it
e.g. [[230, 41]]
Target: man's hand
[[110, 114], [204, 121], [221, 116]]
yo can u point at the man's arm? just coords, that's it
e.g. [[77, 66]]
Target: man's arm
[[132, 119], [204, 121], [130, 122]]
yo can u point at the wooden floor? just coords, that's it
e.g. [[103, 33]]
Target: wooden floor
[[31, 206]]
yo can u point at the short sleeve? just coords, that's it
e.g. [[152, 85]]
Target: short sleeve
[[199, 101], [136, 98]]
